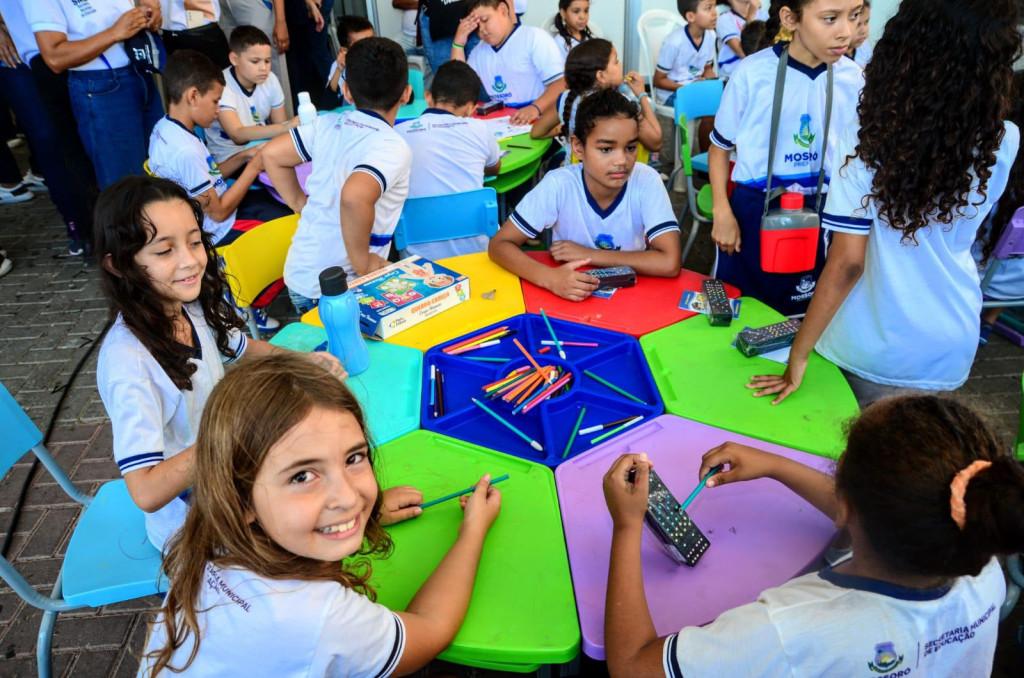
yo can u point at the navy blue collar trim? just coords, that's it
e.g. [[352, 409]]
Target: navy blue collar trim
[[603, 213], [811, 73], [180, 124], [248, 92], [703, 37], [439, 111], [196, 348], [849, 581], [373, 114], [507, 37]]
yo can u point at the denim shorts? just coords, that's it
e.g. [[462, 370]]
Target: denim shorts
[[302, 304]]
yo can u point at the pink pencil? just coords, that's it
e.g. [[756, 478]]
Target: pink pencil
[[547, 392]]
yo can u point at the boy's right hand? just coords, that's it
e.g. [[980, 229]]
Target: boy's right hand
[[725, 231], [568, 283], [745, 463], [481, 507], [255, 164], [130, 23]]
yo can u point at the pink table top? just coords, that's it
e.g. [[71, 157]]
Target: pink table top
[[761, 533]]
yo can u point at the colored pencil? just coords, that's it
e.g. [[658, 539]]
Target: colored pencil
[[453, 495], [480, 337], [526, 394], [507, 378], [548, 342], [575, 431], [473, 347], [527, 354], [482, 340], [514, 384], [440, 393], [612, 386], [604, 427], [554, 337], [533, 443], [523, 385], [487, 360], [433, 380], [547, 394], [701, 486], [601, 437], [525, 148], [544, 350]]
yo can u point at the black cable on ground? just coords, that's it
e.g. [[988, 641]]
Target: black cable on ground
[[32, 472]]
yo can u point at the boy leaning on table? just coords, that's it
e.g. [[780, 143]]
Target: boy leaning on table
[[360, 171]]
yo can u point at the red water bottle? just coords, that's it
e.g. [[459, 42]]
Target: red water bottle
[[789, 236]]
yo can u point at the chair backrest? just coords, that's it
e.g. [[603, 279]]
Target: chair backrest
[[256, 259], [699, 99], [416, 81], [19, 433], [1011, 243], [653, 27], [446, 217], [549, 26]]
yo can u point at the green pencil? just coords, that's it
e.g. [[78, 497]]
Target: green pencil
[[533, 443], [612, 386], [572, 437], [459, 493], [601, 437], [487, 360]]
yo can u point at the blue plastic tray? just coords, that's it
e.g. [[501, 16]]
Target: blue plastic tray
[[618, 359]]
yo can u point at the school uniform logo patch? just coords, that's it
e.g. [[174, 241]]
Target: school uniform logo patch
[[804, 138], [499, 84], [255, 115], [214, 169], [886, 658], [605, 242]]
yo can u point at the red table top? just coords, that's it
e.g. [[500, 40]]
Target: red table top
[[652, 304]]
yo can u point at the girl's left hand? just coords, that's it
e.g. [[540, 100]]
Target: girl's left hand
[[635, 82], [626, 499], [767, 384], [400, 503], [525, 115], [330, 363]]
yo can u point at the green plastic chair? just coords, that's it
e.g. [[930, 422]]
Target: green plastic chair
[[1018, 444]]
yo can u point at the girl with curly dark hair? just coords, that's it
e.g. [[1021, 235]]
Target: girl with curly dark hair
[[813, 36], [898, 304], [173, 326]]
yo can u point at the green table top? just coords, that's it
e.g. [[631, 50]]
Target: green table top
[[703, 377], [389, 389], [523, 612], [506, 181], [522, 150]]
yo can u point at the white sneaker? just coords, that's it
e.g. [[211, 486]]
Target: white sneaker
[[34, 183], [9, 196], [264, 322], [5, 263]]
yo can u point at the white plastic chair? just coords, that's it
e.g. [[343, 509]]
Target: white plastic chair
[[653, 27], [549, 26]]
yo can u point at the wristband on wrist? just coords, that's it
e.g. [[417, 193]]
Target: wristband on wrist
[[458, 46], [642, 95], [539, 112]]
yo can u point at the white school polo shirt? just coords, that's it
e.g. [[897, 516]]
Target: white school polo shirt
[[641, 212], [744, 119], [830, 624], [913, 317], [152, 419], [449, 155], [730, 25], [256, 626], [863, 55], [252, 106], [17, 25], [563, 47], [682, 59], [339, 145], [517, 71], [177, 154], [81, 19]]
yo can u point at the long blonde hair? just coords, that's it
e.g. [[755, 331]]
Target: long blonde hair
[[252, 408]]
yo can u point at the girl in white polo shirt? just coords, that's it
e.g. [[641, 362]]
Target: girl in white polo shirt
[[608, 210], [173, 327], [285, 493], [899, 304]]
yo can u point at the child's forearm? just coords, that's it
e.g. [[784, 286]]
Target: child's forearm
[[718, 174], [550, 95], [510, 257], [233, 197], [650, 129], [816, 488], [247, 133], [335, 80], [628, 628], [647, 262], [279, 162], [662, 81], [356, 225], [736, 46], [154, 487]]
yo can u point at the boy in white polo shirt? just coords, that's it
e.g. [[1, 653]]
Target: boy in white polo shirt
[[252, 105], [360, 172], [451, 151], [522, 68], [688, 53]]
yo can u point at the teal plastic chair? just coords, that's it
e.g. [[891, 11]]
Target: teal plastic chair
[[416, 82], [464, 215], [109, 559], [697, 100]]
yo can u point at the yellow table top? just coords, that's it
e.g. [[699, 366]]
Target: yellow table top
[[485, 277]]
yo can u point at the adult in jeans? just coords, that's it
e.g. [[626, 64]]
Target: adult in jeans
[[57, 154], [269, 17], [438, 22], [192, 24], [309, 55], [115, 104]]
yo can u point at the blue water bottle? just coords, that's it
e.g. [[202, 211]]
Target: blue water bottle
[[339, 311]]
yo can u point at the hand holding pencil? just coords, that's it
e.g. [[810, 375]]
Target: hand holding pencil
[[481, 508]]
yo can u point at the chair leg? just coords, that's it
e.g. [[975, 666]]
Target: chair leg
[[690, 239], [250, 319], [45, 638]]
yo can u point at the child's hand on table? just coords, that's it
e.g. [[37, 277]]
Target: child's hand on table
[[401, 502], [769, 384], [564, 251], [329, 362], [481, 507], [745, 463], [525, 115], [568, 283], [627, 498]]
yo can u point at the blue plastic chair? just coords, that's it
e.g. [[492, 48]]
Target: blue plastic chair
[[109, 559], [699, 100], [446, 217]]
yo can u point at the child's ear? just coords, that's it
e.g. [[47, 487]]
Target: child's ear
[[233, 58], [108, 265], [429, 98], [407, 95], [788, 18], [842, 512], [345, 92], [577, 146], [192, 96]]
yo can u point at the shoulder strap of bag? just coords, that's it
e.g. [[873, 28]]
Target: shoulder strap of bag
[[780, 86]]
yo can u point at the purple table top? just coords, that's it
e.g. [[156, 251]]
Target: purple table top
[[761, 533], [301, 171]]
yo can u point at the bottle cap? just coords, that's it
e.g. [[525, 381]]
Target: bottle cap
[[304, 98], [792, 201], [333, 281]]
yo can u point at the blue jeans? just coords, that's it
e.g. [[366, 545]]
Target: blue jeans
[[303, 305], [116, 110], [440, 51]]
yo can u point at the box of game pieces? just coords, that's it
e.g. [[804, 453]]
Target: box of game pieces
[[405, 293]]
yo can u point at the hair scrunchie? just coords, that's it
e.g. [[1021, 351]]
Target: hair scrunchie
[[957, 488]]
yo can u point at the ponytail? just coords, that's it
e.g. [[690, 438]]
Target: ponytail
[[994, 500], [563, 30], [570, 96], [774, 30]]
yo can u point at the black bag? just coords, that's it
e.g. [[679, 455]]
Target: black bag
[[445, 16], [146, 52]]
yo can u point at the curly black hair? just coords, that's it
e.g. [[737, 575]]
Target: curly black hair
[[122, 229], [931, 120]]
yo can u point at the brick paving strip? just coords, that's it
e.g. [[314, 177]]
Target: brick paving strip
[[50, 310]]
